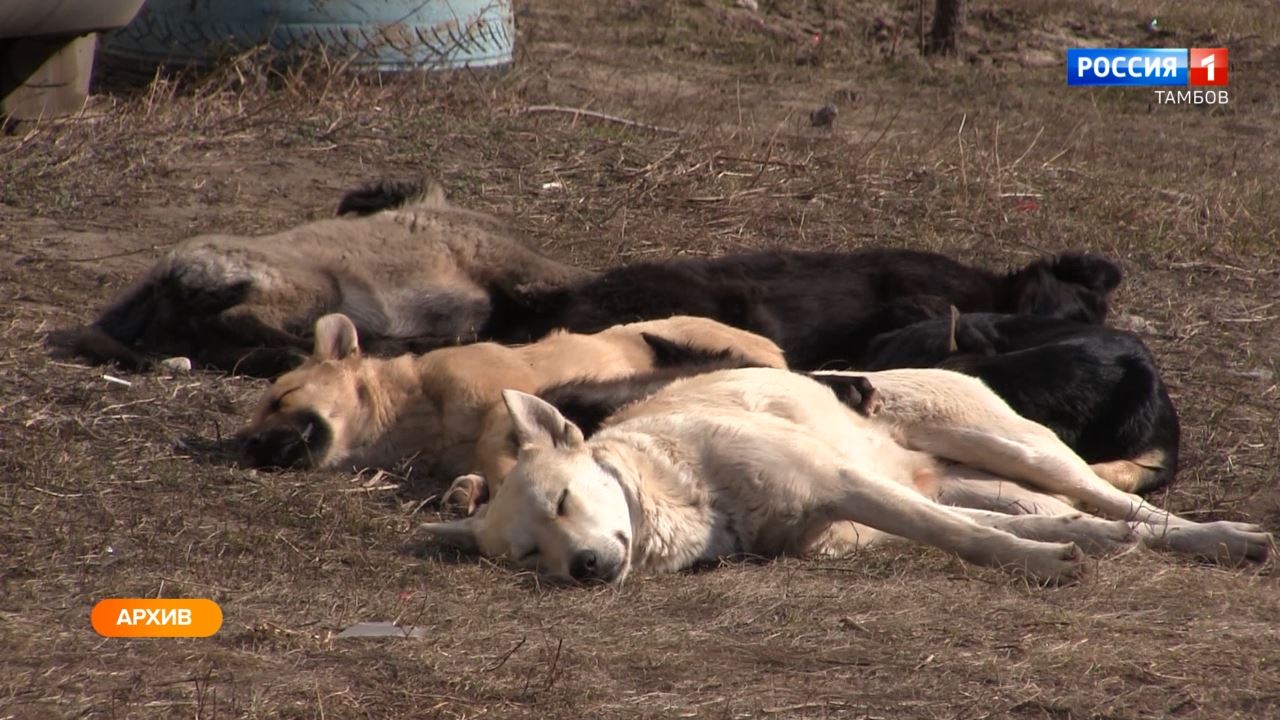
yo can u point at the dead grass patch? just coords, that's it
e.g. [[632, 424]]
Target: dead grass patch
[[115, 490]]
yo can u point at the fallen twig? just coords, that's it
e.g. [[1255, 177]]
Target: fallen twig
[[110, 256], [781, 163], [503, 660], [598, 116]]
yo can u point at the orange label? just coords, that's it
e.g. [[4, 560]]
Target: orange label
[[156, 617]]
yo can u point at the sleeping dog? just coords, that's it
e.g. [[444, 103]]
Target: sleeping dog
[[415, 272], [412, 275], [820, 307], [766, 462], [344, 409], [1098, 388]]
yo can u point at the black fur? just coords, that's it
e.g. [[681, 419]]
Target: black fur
[[1098, 388], [588, 403], [169, 317], [93, 343], [819, 306], [378, 196], [854, 391], [294, 439], [669, 354]]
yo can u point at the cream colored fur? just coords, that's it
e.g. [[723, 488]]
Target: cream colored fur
[[767, 462]]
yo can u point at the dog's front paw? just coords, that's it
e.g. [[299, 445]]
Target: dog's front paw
[[1055, 564], [467, 493], [1115, 537]]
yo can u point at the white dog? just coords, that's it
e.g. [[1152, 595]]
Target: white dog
[[767, 462]]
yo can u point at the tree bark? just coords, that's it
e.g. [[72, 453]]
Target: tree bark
[[948, 24]]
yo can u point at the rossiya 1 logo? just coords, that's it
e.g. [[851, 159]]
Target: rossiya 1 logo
[[1208, 66], [1165, 68]]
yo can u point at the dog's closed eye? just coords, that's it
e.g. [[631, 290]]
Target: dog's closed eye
[[560, 506], [278, 401]]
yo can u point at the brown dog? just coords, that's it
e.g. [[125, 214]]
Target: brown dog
[[414, 273], [341, 408]]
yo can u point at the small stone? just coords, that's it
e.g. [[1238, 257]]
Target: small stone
[[824, 116], [177, 365], [1134, 324], [1260, 374]]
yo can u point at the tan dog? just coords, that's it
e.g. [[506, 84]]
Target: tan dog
[[767, 462], [341, 408]]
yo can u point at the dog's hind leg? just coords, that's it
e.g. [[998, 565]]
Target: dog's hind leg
[[963, 486], [1019, 449], [890, 507]]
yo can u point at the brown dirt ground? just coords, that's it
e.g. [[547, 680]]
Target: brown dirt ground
[[111, 490]]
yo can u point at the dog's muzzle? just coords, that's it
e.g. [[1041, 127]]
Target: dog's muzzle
[[589, 566], [294, 439]]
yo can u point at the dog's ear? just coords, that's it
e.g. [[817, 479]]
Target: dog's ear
[[538, 422], [460, 534], [434, 195], [336, 338], [1096, 272]]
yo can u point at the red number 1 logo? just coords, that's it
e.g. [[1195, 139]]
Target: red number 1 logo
[[1208, 66]]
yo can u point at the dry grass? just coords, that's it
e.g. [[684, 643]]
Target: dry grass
[[114, 490]]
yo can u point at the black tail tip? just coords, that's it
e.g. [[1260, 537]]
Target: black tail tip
[[389, 194], [669, 353]]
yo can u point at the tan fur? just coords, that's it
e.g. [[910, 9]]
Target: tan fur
[[444, 406], [1134, 473], [767, 462]]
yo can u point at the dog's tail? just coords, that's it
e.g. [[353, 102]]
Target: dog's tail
[[1074, 286], [389, 194]]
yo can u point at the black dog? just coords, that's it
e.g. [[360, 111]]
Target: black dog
[[820, 307], [1098, 388]]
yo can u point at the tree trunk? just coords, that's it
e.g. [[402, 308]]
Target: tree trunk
[[948, 24]]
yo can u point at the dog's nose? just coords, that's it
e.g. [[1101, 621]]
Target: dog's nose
[[584, 566], [294, 440], [276, 448]]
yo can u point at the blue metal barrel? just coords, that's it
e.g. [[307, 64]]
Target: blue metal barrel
[[387, 35]]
